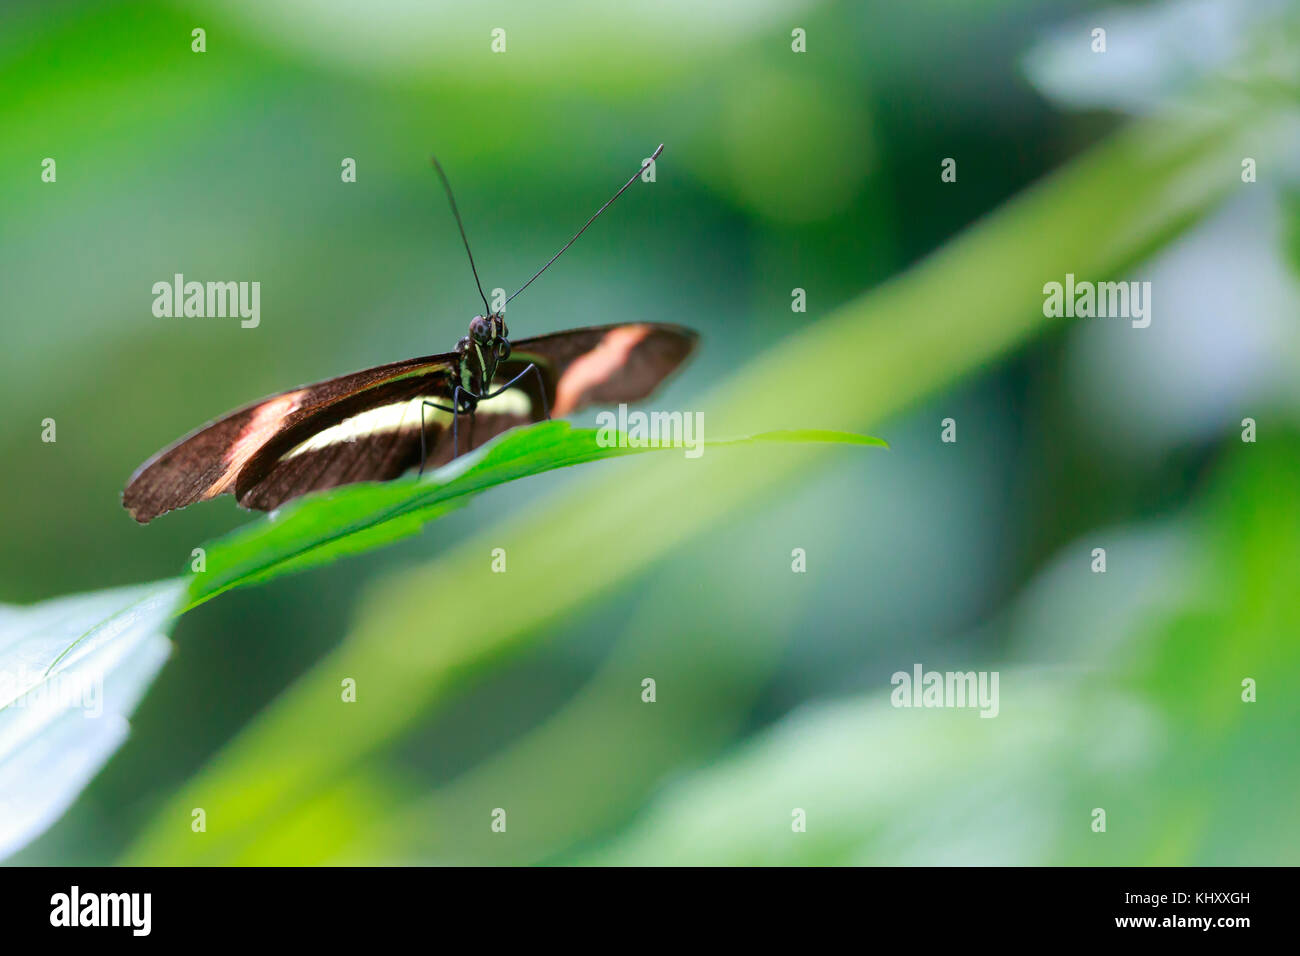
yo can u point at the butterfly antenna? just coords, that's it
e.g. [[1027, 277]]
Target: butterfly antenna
[[643, 168], [446, 184]]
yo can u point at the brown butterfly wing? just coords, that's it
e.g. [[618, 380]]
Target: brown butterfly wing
[[579, 367], [367, 426], [370, 436], [603, 364], [209, 461]]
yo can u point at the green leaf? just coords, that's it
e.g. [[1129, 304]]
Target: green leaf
[[71, 670], [322, 528]]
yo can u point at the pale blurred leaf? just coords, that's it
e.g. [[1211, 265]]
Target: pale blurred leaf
[[71, 671]]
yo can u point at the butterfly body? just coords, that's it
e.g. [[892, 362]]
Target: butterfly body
[[479, 354]]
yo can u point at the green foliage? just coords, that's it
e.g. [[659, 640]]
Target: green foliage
[[428, 632], [1148, 722], [61, 657], [325, 527]]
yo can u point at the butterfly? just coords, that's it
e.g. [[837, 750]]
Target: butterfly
[[379, 423]]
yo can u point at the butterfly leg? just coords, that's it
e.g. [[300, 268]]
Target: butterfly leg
[[541, 390], [455, 418], [541, 387], [423, 450]]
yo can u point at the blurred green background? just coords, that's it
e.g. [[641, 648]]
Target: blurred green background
[[781, 170]]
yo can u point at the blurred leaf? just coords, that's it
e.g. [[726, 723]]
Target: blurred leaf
[[614, 50], [71, 670], [1148, 723], [1156, 55], [878, 785], [1290, 201], [322, 528], [593, 762]]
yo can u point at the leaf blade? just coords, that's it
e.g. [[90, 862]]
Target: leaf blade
[[350, 520]]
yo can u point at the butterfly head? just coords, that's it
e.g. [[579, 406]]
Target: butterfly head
[[485, 347], [488, 331]]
